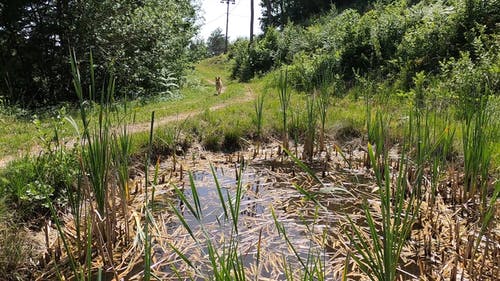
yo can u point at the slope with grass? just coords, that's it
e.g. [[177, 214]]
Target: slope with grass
[[29, 135]]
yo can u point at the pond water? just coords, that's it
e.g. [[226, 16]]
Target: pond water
[[264, 250]]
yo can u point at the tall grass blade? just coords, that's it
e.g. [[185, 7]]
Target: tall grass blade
[[196, 198], [219, 191], [147, 236]]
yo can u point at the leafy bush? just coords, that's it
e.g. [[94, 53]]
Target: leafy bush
[[28, 182], [472, 77], [433, 38], [393, 40], [258, 58], [241, 68]]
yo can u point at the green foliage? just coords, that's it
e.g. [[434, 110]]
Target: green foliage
[[241, 67], [392, 40], [198, 50], [139, 41], [258, 58], [433, 38], [28, 181], [473, 76], [216, 42]]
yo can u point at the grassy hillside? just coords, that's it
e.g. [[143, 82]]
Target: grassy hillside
[[417, 81]]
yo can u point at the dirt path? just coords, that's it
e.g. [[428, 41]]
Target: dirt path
[[143, 127]]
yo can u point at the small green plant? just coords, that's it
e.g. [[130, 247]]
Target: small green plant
[[232, 139], [28, 180]]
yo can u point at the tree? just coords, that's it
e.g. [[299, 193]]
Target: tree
[[198, 49], [139, 41], [216, 42]]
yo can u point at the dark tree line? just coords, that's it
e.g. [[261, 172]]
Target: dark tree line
[[278, 13], [140, 42]]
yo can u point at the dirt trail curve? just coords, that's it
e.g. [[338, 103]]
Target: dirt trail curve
[[142, 127]]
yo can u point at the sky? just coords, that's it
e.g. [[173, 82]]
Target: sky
[[214, 14]]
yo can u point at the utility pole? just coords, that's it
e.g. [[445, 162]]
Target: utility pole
[[251, 22], [227, 19]]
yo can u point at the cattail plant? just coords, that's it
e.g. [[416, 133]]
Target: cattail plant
[[97, 158], [121, 149], [147, 204], [259, 109], [311, 120], [284, 95], [259, 118], [324, 102], [378, 253], [477, 146]]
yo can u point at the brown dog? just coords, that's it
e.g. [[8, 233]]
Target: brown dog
[[218, 85]]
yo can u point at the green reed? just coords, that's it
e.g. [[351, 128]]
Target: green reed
[[378, 253], [323, 104], [311, 121], [121, 151], [259, 114], [147, 203], [284, 96], [97, 152], [477, 132]]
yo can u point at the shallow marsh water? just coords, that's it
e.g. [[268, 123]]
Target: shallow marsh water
[[314, 231]]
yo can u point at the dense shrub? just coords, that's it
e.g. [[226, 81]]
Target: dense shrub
[[257, 58], [473, 76], [392, 40], [432, 39]]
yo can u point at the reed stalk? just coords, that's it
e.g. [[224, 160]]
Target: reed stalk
[[311, 120], [103, 155], [259, 116], [284, 96], [122, 143], [324, 103], [378, 252], [147, 214], [476, 140]]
